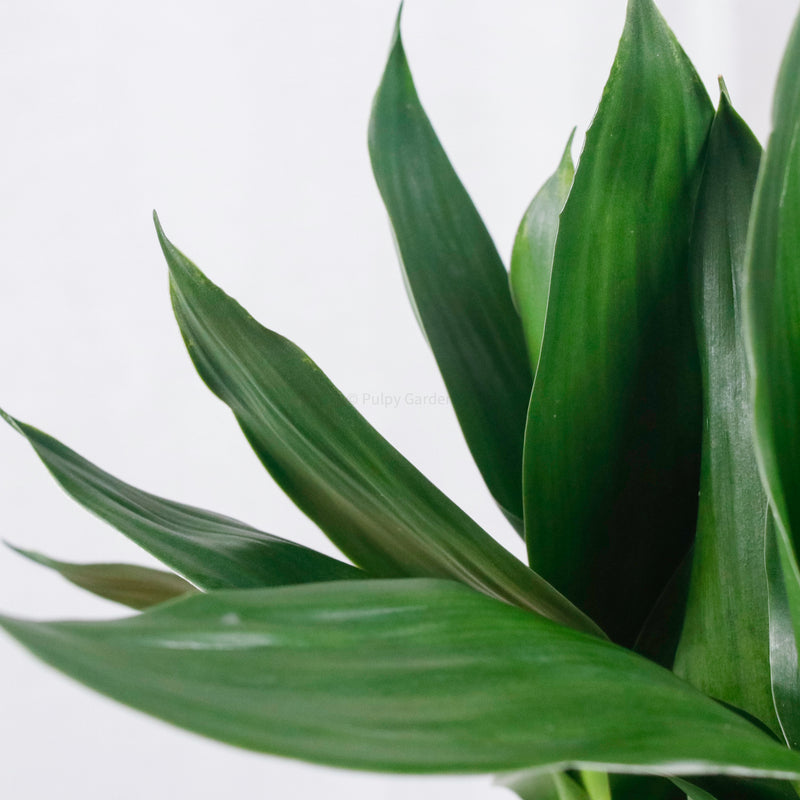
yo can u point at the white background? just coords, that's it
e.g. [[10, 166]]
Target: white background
[[244, 124]]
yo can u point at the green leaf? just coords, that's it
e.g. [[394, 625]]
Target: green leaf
[[543, 786], [724, 646], [133, 586], [661, 632], [407, 676], [612, 443], [456, 280], [723, 787], [372, 503], [211, 550], [784, 592], [532, 256], [773, 299]]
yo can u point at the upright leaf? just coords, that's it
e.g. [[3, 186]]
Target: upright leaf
[[773, 327], [613, 437], [457, 282], [773, 299], [371, 502], [403, 675], [724, 646], [532, 256], [543, 786], [128, 584], [211, 550], [784, 663]]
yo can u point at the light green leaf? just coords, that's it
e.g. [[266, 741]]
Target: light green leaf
[[724, 646], [456, 280], [372, 503], [532, 256], [407, 676], [612, 443], [213, 551], [543, 786], [129, 584]]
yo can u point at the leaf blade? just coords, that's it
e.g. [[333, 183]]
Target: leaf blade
[[534, 248], [213, 551], [456, 280], [393, 675], [724, 645], [129, 584], [370, 501], [613, 435]]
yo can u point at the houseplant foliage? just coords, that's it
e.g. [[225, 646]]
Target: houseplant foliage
[[629, 394]]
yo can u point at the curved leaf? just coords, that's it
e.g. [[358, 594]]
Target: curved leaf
[[372, 503], [784, 662], [213, 551], [457, 282], [724, 646], [128, 584], [613, 437], [532, 256], [403, 675], [773, 299]]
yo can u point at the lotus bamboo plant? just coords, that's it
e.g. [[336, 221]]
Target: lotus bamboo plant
[[630, 393]]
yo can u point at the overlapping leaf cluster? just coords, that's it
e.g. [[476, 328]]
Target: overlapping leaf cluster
[[631, 396]]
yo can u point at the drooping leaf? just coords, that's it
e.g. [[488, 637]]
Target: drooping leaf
[[372, 503], [457, 282], [532, 256], [129, 584], [724, 646], [213, 551], [783, 647], [612, 442], [403, 675]]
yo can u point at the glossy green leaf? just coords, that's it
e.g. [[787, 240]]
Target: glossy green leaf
[[773, 299], [403, 675], [784, 666], [532, 256], [457, 282], [724, 646], [612, 443], [372, 503], [773, 328], [211, 550], [129, 584]]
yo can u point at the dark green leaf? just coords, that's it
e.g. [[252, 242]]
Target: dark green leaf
[[784, 668], [211, 550], [457, 282], [661, 632], [612, 443], [371, 502], [403, 675], [133, 586], [723, 787], [773, 299], [532, 256], [773, 328], [724, 647]]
